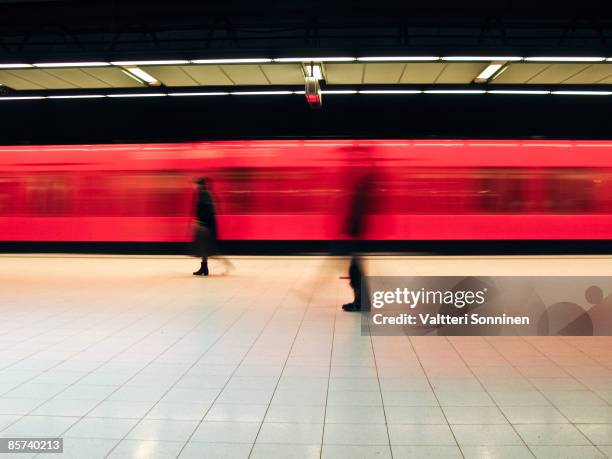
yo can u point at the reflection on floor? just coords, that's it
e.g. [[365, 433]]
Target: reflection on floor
[[135, 357]]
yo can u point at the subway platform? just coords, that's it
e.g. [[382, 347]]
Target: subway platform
[[133, 357]]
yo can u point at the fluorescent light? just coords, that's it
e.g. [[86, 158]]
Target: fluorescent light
[[260, 93], [71, 64], [198, 93], [391, 91], [340, 91], [582, 93], [143, 94], [231, 61], [144, 76], [512, 91], [565, 59], [77, 96], [170, 62], [454, 91], [22, 98], [315, 59], [313, 70], [15, 66], [489, 71], [481, 58], [398, 58]]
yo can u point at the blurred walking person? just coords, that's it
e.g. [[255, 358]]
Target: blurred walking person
[[205, 234], [359, 207]]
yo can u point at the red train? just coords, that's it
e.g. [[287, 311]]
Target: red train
[[298, 189]]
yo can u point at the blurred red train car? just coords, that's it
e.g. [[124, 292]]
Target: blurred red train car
[[298, 189]]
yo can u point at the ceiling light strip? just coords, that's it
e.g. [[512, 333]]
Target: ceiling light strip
[[327, 92], [167, 62], [564, 59], [481, 58], [399, 59], [70, 64], [257, 60]]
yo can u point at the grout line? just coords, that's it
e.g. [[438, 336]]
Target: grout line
[[297, 332], [331, 357], [435, 394], [382, 400], [451, 344]]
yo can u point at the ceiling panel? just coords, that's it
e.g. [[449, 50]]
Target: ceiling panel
[[170, 75], [421, 73], [463, 72], [78, 78], [344, 73], [556, 73], [12, 81], [383, 73], [113, 76], [519, 73], [44, 79], [207, 75], [591, 74], [284, 73], [245, 74]]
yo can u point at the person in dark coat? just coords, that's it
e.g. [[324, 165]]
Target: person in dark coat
[[205, 234], [358, 210]]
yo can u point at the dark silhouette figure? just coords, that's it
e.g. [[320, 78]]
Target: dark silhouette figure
[[205, 234], [358, 209]]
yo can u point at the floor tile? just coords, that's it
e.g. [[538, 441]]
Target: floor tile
[[236, 413], [496, 452], [533, 415], [460, 398], [486, 435], [291, 451], [178, 411], [355, 414], [421, 435], [120, 409], [199, 450], [296, 413], [598, 434], [101, 428], [226, 432], [433, 452], [551, 434], [354, 398], [355, 452], [402, 398], [567, 452], [294, 433], [40, 426], [414, 415], [474, 415], [143, 449], [162, 430], [355, 434]]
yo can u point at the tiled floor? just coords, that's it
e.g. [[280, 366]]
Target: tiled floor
[[134, 357]]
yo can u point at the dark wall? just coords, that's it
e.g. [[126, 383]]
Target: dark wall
[[353, 116]]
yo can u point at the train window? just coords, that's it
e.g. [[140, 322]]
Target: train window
[[48, 194], [571, 190]]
